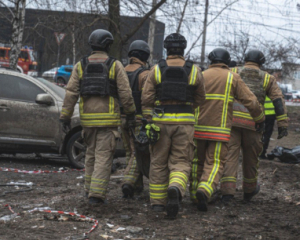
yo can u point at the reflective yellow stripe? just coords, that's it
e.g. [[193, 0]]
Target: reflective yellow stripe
[[193, 75], [201, 128], [197, 113], [242, 115], [66, 112], [179, 174], [112, 122], [207, 187], [228, 179], [147, 112], [179, 181], [111, 104], [266, 81], [217, 97], [253, 180], [194, 174], [281, 117], [157, 74], [174, 117], [80, 73], [112, 71], [158, 195], [158, 187], [226, 101], [269, 107], [216, 163], [259, 117]]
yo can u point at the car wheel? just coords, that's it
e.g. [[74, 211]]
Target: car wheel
[[76, 150], [61, 80]]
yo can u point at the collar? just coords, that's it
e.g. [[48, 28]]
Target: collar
[[175, 57], [99, 52], [134, 60], [219, 65], [252, 65]]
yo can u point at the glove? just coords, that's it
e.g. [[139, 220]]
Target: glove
[[260, 127], [66, 125], [130, 119], [282, 132], [153, 133]]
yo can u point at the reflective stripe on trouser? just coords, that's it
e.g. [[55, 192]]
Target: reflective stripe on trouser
[[211, 159], [132, 175], [251, 145], [101, 143], [171, 159]]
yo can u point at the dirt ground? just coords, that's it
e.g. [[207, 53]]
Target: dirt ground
[[273, 214]]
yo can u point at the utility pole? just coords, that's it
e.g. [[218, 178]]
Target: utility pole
[[151, 34], [204, 32]]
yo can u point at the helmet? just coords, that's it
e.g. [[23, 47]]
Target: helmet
[[175, 40], [219, 54], [101, 38], [139, 45], [255, 56]]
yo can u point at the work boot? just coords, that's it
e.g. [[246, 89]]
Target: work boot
[[128, 191], [94, 200], [158, 208], [173, 202], [202, 201], [226, 199], [249, 196]]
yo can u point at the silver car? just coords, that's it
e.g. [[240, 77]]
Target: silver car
[[29, 118]]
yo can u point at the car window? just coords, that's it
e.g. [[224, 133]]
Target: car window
[[68, 69], [2, 53], [18, 88], [23, 55]]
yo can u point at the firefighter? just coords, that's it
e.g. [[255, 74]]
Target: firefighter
[[243, 135], [270, 121], [137, 72], [173, 88], [213, 127], [99, 81]]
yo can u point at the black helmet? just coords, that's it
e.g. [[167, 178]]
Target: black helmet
[[101, 38], [255, 56], [219, 55], [139, 45], [175, 40]]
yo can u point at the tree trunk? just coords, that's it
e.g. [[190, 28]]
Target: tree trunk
[[204, 33], [18, 23], [114, 28], [151, 34]]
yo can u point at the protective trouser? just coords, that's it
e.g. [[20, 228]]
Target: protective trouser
[[270, 121], [251, 145], [101, 143], [171, 158], [132, 174], [207, 167]]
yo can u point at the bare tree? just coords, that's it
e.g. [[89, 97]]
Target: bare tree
[[17, 19]]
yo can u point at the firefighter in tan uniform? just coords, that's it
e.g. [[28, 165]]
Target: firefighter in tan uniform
[[137, 72], [243, 134], [99, 81], [173, 88], [214, 120]]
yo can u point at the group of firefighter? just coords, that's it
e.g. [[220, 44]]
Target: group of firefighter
[[196, 122]]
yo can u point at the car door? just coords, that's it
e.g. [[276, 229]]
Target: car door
[[22, 120]]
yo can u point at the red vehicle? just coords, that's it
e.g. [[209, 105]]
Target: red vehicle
[[26, 62]]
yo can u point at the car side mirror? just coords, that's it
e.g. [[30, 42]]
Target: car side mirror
[[44, 98]]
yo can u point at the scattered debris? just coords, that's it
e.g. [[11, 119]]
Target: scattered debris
[[285, 155], [8, 218], [132, 229]]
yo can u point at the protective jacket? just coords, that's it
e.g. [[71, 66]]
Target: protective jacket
[[158, 101], [261, 84], [269, 107], [137, 75], [214, 119], [98, 111]]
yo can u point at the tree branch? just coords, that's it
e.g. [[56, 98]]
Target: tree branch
[[182, 16]]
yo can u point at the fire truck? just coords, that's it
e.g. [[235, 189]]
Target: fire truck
[[26, 61]]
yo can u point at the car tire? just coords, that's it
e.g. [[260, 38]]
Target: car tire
[[61, 80], [76, 150]]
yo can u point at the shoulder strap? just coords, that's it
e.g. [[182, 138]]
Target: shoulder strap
[[188, 67], [84, 61], [109, 62], [162, 65], [134, 83]]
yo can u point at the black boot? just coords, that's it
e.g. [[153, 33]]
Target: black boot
[[249, 196], [226, 199], [128, 191], [158, 208], [202, 201], [173, 202], [94, 200]]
